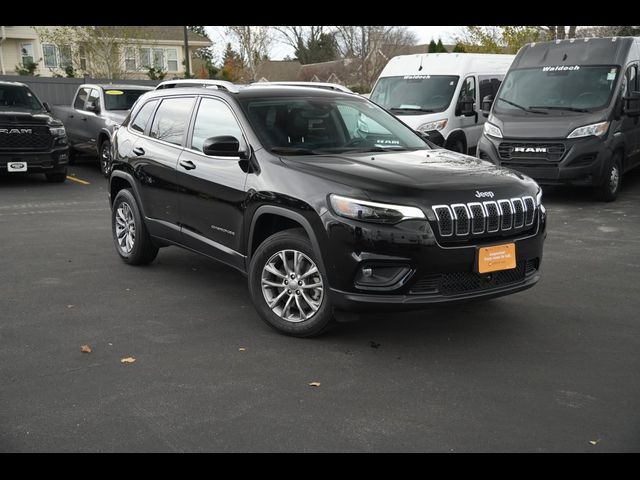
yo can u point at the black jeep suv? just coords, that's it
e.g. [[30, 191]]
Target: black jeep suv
[[329, 203]]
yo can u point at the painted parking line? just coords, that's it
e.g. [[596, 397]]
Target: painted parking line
[[74, 179]]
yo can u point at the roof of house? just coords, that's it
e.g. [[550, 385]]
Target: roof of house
[[170, 32], [278, 70]]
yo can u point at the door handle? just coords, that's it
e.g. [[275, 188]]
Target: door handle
[[138, 151], [187, 164]]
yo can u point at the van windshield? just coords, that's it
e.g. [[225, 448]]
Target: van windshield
[[557, 90], [18, 98], [318, 125], [415, 94]]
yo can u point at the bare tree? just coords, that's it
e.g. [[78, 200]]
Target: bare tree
[[372, 47], [254, 44], [95, 50]]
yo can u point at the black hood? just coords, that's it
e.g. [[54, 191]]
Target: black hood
[[27, 118], [434, 176]]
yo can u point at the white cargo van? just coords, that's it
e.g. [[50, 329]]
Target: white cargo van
[[442, 92]]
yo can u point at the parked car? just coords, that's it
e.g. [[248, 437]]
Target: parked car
[[325, 211], [95, 112], [567, 114], [441, 92], [31, 139]]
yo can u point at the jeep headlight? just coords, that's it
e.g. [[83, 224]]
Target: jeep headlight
[[595, 129], [491, 130], [436, 125], [57, 131], [366, 211]]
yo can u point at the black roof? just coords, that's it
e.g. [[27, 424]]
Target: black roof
[[578, 51]]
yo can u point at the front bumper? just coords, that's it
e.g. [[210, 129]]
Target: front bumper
[[436, 273], [583, 162], [37, 162]]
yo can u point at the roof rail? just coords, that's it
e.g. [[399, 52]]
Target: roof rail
[[324, 85], [195, 82]]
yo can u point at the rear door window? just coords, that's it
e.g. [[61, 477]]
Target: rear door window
[[172, 119]]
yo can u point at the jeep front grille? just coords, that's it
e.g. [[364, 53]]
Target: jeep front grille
[[476, 218]]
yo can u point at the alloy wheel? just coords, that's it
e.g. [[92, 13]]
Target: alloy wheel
[[125, 228]]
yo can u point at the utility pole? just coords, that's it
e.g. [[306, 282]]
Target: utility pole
[[186, 53]]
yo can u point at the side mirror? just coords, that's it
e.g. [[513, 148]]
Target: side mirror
[[46, 107], [487, 103], [92, 107], [222, 146], [631, 105], [433, 137], [465, 107]]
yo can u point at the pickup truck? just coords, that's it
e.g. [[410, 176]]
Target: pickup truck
[[31, 139], [93, 115]]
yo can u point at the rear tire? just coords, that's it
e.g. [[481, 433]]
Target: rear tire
[[56, 177], [608, 190], [304, 309], [104, 157], [132, 240]]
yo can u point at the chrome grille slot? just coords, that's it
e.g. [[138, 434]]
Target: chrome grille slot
[[530, 210], [477, 218], [486, 218], [462, 218], [518, 212]]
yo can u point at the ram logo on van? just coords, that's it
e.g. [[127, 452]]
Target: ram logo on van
[[530, 149]]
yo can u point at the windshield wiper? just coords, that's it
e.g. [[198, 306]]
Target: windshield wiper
[[405, 109], [521, 107], [569, 109]]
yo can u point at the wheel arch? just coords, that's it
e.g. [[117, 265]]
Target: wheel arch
[[453, 136], [289, 219]]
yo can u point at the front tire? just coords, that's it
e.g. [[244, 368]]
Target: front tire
[[288, 287], [105, 158], [608, 190], [130, 235], [56, 177], [457, 145]]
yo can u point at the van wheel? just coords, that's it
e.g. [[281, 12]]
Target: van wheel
[[105, 158], [456, 145], [288, 287], [130, 235], [608, 190]]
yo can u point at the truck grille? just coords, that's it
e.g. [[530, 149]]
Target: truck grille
[[552, 152], [30, 138], [495, 216], [467, 282]]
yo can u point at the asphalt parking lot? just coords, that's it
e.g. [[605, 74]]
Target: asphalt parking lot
[[554, 368]]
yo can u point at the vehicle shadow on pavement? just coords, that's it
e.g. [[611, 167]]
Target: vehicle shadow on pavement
[[569, 195]]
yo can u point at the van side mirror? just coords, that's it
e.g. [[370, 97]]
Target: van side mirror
[[465, 107], [92, 107], [222, 146], [487, 103], [631, 104]]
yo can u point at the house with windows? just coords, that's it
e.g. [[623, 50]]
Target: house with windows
[[160, 47]]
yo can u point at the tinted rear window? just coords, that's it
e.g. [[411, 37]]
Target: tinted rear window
[[171, 119]]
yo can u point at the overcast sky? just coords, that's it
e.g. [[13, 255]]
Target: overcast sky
[[279, 50]]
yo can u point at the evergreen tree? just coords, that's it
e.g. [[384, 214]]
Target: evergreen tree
[[432, 47], [440, 47]]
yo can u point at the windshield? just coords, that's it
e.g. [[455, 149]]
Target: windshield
[[318, 125], [18, 98], [415, 94], [551, 90], [118, 99]]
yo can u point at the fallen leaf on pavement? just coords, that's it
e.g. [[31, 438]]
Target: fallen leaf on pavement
[[242, 349], [594, 442], [70, 306], [85, 349], [127, 360], [314, 384]]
